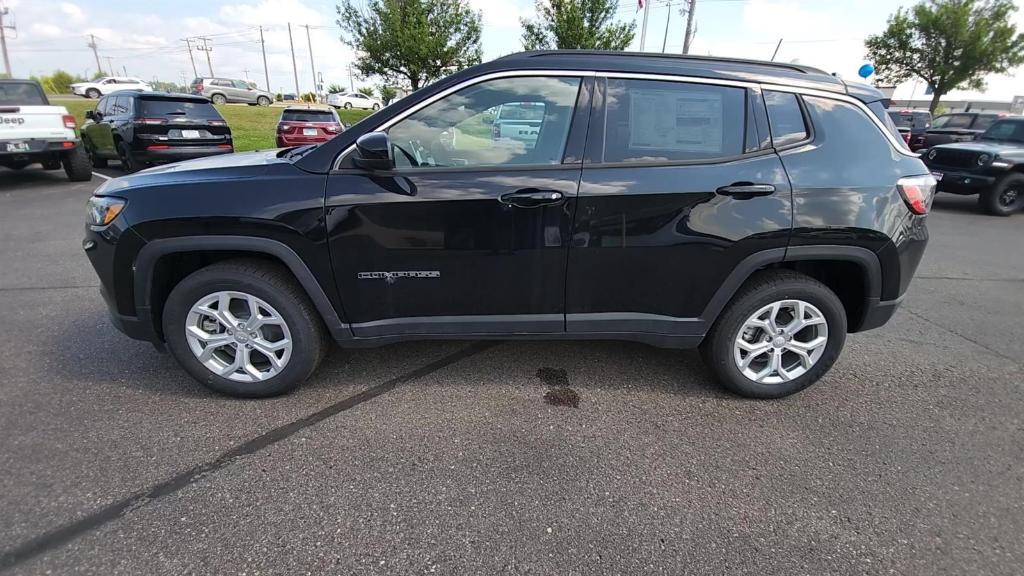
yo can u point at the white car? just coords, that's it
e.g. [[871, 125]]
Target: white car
[[108, 84], [354, 100]]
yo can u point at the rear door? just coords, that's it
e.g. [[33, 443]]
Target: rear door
[[242, 91], [679, 186], [468, 233]]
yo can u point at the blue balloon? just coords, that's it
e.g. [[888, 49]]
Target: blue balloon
[[866, 70]]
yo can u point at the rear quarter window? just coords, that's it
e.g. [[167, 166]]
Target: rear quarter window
[[785, 118], [170, 107]]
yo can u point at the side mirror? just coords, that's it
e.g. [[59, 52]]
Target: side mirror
[[89, 115], [373, 152]]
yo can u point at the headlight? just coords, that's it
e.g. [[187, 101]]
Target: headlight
[[932, 153], [102, 210], [983, 159]]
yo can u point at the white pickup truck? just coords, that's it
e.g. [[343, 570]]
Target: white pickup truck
[[33, 131]]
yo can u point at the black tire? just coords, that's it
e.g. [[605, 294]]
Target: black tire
[[1005, 198], [76, 165], [348, 105], [92, 93], [129, 163], [274, 285], [761, 290], [97, 162], [219, 99], [263, 101], [376, 107]]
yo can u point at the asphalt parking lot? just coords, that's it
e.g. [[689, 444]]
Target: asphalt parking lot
[[443, 457]]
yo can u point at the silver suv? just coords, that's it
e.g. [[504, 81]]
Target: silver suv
[[224, 90]]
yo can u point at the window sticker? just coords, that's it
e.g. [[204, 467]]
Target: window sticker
[[675, 120]]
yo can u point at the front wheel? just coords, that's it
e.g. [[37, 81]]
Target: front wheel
[[244, 328], [263, 101], [92, 93], [1005, 198], [376, 107], [780, 333], [348, 105]]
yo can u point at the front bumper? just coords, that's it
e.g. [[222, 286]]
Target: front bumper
[[177, 153], [959, 182], [111, 250]]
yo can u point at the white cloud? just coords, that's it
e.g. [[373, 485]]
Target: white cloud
[[72, 12]]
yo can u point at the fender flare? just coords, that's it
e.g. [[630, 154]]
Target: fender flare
[[865, 258], [150, 254]]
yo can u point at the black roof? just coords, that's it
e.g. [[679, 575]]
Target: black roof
[[161, 95]]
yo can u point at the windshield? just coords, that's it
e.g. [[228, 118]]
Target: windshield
[[21, 94], [1005, 130], [187, 108], [307, 116]]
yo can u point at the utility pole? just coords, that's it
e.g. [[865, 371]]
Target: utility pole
[[295, 68], [206, 48], [3, 40], [245, 72], [110, 65], [690, 16], [92, 44], [351, 82], [643, 30], [188, 42], [125, 68], [263, 47], [668, 18], [312, 67]]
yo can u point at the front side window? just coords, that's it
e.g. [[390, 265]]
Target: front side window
[[465, 128], [785, 118], [241, 84], [651, 121]]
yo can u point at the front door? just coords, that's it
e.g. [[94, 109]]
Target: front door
[[469, 232], [679, 186]]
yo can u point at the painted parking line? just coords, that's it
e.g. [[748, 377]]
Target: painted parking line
[[104, 176]]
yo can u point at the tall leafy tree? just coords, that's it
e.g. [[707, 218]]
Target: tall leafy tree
[[587, 24], [411, 42], [950, 44]]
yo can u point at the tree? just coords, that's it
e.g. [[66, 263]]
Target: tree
[[387, 94], [584, 24], [950, 44], [365, 91], [411, 42]]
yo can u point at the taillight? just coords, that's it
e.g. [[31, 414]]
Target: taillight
[[217, 122], [150, 120], [917, 192], [199, 87], [69, 122], [332, 129]]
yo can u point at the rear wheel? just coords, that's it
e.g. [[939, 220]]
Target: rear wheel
[[77, 165], [779, 334], [219, 99], [244, 328], [1005, 198], [128, 161]]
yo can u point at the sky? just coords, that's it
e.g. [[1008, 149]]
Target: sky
[[146, 37]]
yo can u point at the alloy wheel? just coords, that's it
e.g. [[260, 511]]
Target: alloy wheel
[[780, 342], [1009, 197], [238, 336]]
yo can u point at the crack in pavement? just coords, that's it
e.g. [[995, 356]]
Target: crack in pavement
[[1015, 361], [70, 287], [918, 277], [64, 534]]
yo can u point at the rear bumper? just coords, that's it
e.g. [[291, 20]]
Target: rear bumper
[[283, 142], [877, 313], [37, 146], [177, 153]]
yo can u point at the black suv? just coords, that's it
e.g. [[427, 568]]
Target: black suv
[[760, 211], [992, 166], [145, 128], [957, 127]]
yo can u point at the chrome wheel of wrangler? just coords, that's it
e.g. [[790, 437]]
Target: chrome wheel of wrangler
[[780, 342], [238, 336]]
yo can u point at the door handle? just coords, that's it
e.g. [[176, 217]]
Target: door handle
[[531, 198], [746, 189]]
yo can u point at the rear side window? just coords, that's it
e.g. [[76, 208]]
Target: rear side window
[[648, 120], [785, 118], [21, 94], [121, 106], [155, 108], [307, 116]]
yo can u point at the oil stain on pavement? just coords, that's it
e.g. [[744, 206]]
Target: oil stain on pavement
[[559, 393]]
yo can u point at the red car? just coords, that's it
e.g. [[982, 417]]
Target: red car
[[299, 126]]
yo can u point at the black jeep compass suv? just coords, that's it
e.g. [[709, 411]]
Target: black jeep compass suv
[[758, 210]]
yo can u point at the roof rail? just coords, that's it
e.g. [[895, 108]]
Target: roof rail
[[683, 57]]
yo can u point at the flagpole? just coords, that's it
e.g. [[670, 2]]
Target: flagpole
[[643, 30]]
